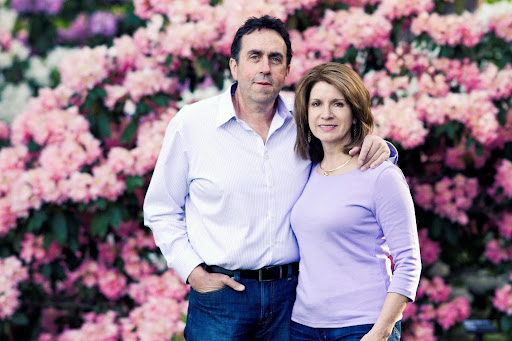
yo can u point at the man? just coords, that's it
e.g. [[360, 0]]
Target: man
[[228, 166]]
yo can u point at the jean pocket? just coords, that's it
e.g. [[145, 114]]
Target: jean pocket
[[210, 293]]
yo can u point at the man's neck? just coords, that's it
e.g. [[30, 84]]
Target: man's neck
[[257, 115]]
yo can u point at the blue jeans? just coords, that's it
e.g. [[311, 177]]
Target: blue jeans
[[300, 332], [261, 312]]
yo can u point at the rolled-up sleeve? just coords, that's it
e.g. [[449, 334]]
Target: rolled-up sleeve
[[394, 210], [164, 204]]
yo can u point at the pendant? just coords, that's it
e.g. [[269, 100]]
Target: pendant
[[325, 173]]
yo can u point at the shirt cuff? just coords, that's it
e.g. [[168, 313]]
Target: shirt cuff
[[393, 156], [184, 263]]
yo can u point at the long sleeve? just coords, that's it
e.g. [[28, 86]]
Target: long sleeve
[[164, 204], [394, 210]]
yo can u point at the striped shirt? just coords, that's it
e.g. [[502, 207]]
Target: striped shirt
[[219, 195]]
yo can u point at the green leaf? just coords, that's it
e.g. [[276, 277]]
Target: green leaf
[[101, 203], [479, 149], [99, 224], [59, 228], [142, 109], [129, 132], [506, 323], [133, 182], [36, 221], [115, 216], [161, 100], [103, 125], [19, 319]]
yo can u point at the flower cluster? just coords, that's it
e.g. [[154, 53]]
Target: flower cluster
[[439, 309], [502, 299], [13, 272], [451, 30], [450, 198]]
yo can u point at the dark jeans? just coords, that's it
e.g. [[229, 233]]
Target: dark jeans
[[300, 332], [261, 312]]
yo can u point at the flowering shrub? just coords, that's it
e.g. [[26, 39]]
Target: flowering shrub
[[75, 162]]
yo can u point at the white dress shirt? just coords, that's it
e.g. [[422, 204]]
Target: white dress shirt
[[222, 196]]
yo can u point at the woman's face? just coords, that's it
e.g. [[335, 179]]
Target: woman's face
[[329, 115]]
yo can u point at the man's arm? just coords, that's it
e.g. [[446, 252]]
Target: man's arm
[[165, 202], [164, 213], [374, 151]]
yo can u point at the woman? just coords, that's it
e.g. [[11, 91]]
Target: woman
[[348, 222]]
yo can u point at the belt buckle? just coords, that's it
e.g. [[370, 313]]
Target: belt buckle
[[260, 273]]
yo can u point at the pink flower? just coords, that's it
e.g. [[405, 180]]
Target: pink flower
[[112, 284], [4, 131], [503, 177], [429, 249], [501, 24], [94, 67], [435, 289], [12, 272], [146, 82], [451, 312], [505, 225], [502, 299], [495, 253], [96, 327], [399, 121]]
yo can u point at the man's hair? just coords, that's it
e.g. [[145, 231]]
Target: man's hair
[[263, 23], [348, 82]]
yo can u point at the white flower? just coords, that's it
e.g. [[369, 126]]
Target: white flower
[[38, 71], [19, 50], [5, 60], [7, 19], [56, 56], [13, 100], [486, 11]]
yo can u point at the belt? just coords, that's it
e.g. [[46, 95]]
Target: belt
[[268, 273]]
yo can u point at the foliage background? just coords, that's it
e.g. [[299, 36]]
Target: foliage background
[[87, 89]]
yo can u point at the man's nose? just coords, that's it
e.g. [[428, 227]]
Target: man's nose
[[265, 65]]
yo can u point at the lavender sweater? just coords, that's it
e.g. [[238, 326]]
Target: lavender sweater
[[347, 226]]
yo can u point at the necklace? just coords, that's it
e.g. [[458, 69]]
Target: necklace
[[326, 172]]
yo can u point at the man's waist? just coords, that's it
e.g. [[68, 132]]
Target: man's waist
[[267, 273]]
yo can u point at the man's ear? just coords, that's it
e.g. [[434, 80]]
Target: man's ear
[[233, 66]]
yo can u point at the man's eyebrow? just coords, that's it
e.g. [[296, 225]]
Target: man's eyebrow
[[256, 52], [275, 54]]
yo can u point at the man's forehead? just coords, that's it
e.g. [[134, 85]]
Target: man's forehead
[[263, 40]]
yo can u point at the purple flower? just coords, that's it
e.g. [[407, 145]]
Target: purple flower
[[77, 32], [48, 6], [103, 23], [22, 5], [37, 6]]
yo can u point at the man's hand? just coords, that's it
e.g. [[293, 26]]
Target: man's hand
[[372, 153], [203, 281]]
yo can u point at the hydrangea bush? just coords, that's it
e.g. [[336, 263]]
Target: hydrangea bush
[[77, 263]]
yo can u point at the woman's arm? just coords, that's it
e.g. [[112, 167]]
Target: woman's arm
[[393, 307]]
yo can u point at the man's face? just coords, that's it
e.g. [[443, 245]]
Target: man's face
[[261, 69]]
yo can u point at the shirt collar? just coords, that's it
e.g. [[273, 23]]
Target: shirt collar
[[227, 110]]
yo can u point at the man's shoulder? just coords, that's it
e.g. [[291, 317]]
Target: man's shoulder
[[200, 110]]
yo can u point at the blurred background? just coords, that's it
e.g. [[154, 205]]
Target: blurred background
[[88, 87]]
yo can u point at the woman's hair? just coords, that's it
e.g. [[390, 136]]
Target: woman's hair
[[348, 82]]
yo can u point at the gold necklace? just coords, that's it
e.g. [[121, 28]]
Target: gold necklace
[[326, 172]]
